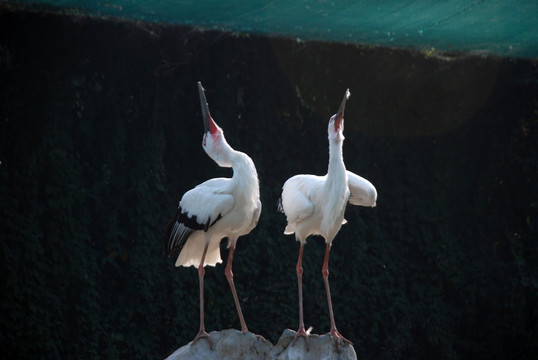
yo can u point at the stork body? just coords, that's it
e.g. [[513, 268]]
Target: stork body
[[315, 205], [216, 209]]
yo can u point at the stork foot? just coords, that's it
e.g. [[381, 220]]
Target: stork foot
[[335, 334], [301, 332], [203, 334], [259, 337]]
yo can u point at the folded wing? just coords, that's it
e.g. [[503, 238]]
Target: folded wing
[[362, 191], [199, 209]]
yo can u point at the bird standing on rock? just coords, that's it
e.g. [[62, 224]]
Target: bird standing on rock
[[216, 209], [315, 205]]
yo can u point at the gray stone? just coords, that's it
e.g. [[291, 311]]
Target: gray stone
[[321, 347], [228, 344], [232, 344]]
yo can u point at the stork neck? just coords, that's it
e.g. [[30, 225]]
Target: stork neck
[[218, 149], [335, 192], [336, 159], [245, 175]]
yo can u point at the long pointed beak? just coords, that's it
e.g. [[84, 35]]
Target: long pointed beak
[[340, 113], [205, 107]]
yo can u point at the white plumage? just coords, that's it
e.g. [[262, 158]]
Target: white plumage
[[216, 209], [205, 203], [315, 205]]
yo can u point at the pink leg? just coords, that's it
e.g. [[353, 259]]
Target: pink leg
[[299, 269], [230, 276], [325, 273], [201, 272]]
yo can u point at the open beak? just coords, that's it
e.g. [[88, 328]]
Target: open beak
[[340, 113], [205, 107]]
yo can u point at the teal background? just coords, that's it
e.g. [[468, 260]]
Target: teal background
[[506, 28]]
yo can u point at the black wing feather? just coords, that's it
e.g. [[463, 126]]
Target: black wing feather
[[179, 228]]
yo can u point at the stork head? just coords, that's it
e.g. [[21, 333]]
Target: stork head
[[336, 123], [214, 143]]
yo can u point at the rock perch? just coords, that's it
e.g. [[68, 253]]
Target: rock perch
[[232, 344]]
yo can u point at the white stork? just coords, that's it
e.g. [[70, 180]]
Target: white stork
[[216, 209], [315, 205]]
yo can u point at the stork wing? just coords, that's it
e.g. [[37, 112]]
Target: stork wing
[[363, 193], [199, 209], [296, 198], [255, 216]]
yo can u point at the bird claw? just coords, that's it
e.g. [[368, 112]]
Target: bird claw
[[301, 333], [336, 335], [259, 337], [203, 334]]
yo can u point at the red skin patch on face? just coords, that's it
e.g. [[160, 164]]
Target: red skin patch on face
[[337, 124], [213, 130], [212, 126]]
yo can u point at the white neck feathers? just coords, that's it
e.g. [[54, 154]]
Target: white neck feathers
[[336, 190]]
